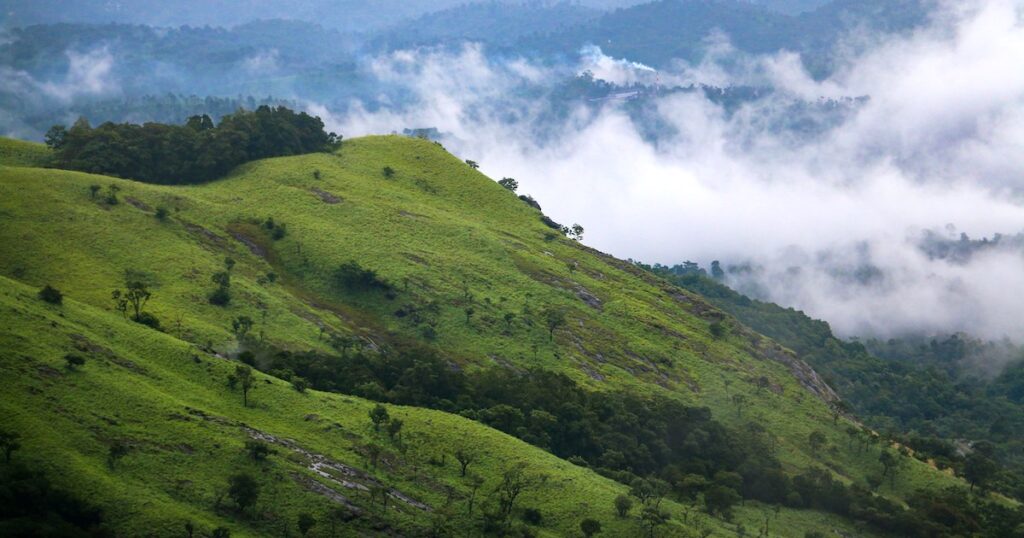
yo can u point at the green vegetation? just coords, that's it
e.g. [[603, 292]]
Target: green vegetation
[[605, 383], [925, 393], [192, 153]]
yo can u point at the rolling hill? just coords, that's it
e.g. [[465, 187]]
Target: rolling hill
[[457, 265]]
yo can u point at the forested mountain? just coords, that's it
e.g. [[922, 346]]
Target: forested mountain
[[678, 29], [235, 336], [941, 395]]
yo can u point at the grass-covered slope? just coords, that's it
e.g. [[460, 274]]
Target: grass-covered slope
[[456, 247]]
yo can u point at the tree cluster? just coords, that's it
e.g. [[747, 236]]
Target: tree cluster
[[195, 152]]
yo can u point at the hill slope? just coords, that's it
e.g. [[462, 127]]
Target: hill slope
[[458, 251]]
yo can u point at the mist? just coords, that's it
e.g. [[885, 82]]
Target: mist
[[826, 220]]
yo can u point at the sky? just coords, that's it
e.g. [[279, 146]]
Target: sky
[[937, 145]]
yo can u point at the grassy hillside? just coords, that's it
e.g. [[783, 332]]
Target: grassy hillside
[[459, 251], [21, 153]]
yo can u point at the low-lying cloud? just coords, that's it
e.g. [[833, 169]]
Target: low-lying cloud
[[938, 140]]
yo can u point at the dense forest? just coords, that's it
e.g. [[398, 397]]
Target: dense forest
[[925, 391], [195, 152]]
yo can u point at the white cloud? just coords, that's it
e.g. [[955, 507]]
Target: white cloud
[[939, 141]]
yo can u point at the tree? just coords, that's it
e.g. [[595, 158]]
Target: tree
[[94, 189], [56, 137], [473, 164], [9, 443], [622, 505], [245, 379], [740, 401], [161, 214], [889, 462], [221, 532], [716, 270], [116, 451], [576, 232], [300, 384], [979, 469], [509, 183], [469, 313], [51, 295], [135, 296], [817, 440], [222, 295], [388, 172], [306, 523], [378, 415], [244, 490], [653, 517], [553, 319], [395, 429], [720, 499], [514, 481], [257, 450], [73, 361], [590, 527], [465, 457], [241, 326], [474, 482]]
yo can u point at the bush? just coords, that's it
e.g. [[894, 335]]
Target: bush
[[300, 384], [533, 516], [147, 319], [51, 295], [161, 214], [220, 297], [354, 277], [73, 361]]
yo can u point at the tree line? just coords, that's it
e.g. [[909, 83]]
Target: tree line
[[195, 152]]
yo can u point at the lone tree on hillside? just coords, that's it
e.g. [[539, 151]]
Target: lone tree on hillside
[[473, 164], [378, 415], [9, 443], [514, 481], [509, 183], [465, 458], [135, 296], [241, 326], [395, 429], [51, 295], [243, 377], [553, 318], [244, 490], [590, 527], [622, 505]]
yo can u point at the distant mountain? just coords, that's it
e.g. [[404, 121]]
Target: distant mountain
[[659, 32], [350, 15], [494, 23]]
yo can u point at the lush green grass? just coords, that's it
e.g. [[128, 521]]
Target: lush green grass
[[438, 231], [21, 153]]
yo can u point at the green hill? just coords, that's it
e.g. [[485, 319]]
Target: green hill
[[454, 254]]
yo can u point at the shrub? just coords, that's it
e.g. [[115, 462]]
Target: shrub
[[74, 361], [51, 295], [352, 276], [220, 297], [300, 384], [162, 213], [147, 319], [533, 516], [388, 172], [717, 329]]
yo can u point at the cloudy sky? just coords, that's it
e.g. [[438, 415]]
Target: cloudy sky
[[939, 145]]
